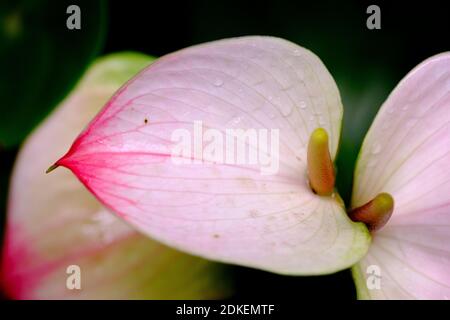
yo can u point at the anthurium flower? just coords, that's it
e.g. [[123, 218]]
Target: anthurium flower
[[406, 153], [55, 227], [211, 203], [158, 154]]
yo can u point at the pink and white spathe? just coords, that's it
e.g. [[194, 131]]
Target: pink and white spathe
[[225, 212]]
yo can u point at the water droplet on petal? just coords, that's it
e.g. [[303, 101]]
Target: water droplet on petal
[[237, 120], [286, 110], [372, 163], [218, 82], [376, 149], [321, 121], [302, 105], [297, 52]]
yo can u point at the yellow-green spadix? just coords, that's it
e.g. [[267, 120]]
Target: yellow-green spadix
[[320, 167]]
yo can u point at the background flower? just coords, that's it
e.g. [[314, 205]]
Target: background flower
[[53, 222], [407, 154]]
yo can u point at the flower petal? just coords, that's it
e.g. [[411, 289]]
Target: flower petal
[[224, 211], [407, 154], [54, 222]]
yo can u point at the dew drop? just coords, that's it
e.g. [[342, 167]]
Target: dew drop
[[372, 163], [321, 121], [286, 110], [297, 52], [405, 107], [287, 88], [302, 105], [236, 120], [258, 82], [376, 149], [218, 82]]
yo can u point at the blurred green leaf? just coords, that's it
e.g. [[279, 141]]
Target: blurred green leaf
[[362, 97], [42, 59]]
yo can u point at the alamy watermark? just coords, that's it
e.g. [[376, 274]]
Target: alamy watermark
[[374, 20], [73, 281], [260, 147], [373, 280], [73, 21]]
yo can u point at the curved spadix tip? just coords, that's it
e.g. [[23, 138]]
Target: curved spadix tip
[[375, 213]]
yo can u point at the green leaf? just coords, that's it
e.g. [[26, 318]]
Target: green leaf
[[42, 59]]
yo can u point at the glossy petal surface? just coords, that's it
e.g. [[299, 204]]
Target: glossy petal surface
[[407, 154], [54, 222], [231, 212]]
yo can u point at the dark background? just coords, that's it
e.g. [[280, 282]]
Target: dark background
[[366, 64]]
